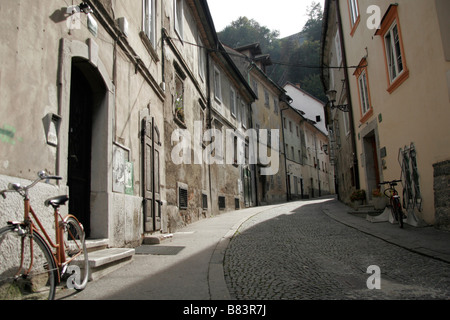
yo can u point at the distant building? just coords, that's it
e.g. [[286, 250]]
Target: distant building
[[307, 145], [265, 115]]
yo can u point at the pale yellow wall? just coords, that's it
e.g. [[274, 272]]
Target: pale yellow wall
[[418, 111]]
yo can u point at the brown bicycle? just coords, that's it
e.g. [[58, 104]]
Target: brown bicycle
[[32, 265]]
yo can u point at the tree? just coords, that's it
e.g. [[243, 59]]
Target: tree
[[296, 58], [244, 31], [313, 27]]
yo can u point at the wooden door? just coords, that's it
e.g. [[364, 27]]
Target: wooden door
[[80, 146], [151, 175]]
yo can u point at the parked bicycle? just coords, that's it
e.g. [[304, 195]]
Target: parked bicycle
[[31, 264], [394, 199]]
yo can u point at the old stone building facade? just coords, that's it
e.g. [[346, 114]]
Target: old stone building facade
[[102, 89]]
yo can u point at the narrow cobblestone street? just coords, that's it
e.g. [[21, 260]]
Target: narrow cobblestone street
[[298, 252]]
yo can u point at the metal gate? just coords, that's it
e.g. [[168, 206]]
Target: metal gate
[[151, 175]]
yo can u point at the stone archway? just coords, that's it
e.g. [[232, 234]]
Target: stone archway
[[82, 58]]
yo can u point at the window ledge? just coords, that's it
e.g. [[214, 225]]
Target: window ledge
[[398, 81], [355, 26], [367, 115], [179, 122], [148, 45]]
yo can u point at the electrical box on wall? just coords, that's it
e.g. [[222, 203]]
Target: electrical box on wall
[[123, 25], [52, 123]]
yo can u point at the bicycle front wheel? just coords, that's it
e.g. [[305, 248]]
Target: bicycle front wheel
[[76, 254], [27, 268]]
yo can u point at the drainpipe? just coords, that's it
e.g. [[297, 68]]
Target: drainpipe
[[285, 161], [209, 117], [347, 84], [255, 166]]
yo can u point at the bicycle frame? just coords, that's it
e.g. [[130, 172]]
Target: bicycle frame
[[59, 255]]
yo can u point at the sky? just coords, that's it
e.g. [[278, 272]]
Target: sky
[[286, 16]]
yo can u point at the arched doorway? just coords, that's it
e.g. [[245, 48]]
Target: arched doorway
[[87, 92], [86, 98]]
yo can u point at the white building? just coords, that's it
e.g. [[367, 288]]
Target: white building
[[305, 102]]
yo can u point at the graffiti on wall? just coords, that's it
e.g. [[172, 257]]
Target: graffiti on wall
[[8, 135]]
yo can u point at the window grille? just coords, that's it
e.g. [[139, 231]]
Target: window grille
[[221, 202], [204, 201], [182, 198]]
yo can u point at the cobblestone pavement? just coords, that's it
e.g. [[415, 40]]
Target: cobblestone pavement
[[297, 252]]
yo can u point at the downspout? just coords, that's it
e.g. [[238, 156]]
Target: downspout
[[209, 120], [285, 161], [255, 166], [163, 78], [349, 100]]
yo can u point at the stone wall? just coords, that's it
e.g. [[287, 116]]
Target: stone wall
[[442, 194]]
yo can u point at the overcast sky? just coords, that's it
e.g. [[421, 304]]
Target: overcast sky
[[286, 16]]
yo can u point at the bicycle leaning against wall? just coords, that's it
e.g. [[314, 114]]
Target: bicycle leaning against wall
[[394, 200], [29, 268]]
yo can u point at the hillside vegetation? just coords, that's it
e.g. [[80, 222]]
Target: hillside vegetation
[[295, 58]]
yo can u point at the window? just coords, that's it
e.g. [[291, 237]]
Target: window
[[233, 102], [266, 98], [337, 44], [244, 114], [222, 203], [353, 8], [204, 201], [363, 90], [393, 52], [217, 85], [275, 105], [363, 93], [346, 122], [201, 59], [290, 126], [178, 8], [255, 87], [236, 203], [182, 198], [149, 18], [179, 99], [396, 69]]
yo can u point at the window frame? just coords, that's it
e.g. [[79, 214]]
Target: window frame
[[183, 193], [149, 20], [233, 102], [217, 85], [361, 73], [354, 15], [389, 21], [178, 17], [201, 59]]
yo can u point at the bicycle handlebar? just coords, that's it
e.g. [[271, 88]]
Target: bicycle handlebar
[[389, 182], [42, 175]]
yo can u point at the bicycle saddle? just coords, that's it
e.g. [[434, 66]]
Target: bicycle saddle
[[55, 202]]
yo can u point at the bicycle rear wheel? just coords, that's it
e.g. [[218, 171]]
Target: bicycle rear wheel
[[33, 279], [76, 253], [397, 211]]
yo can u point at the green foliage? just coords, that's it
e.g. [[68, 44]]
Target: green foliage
[[296, 58], [244, 31]]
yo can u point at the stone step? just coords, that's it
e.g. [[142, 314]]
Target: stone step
[[156, 239], [104, 260]]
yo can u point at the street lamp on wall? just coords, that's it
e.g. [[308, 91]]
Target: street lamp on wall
[[331, 94]]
